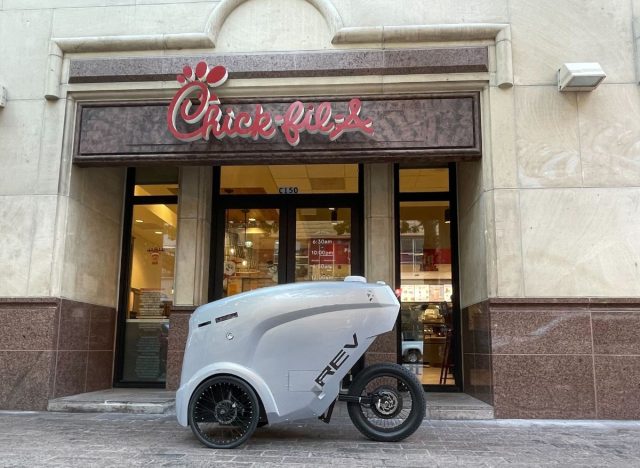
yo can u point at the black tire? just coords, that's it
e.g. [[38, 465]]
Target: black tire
[[223, 412], [396, 404], [413, 356]]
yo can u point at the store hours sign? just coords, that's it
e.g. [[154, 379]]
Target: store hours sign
[[206, 117]]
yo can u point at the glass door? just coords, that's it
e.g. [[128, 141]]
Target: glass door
[[153, 244], [322, 244], [147, 276], [427, 275], [277, 224], [268, 246], [426, 284], [251, 249]]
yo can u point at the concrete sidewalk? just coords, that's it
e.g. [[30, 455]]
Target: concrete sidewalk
[[153, 401], [70, 439]]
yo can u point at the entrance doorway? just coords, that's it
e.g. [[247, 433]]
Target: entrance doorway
[[426, 270], [147, 277], [284, 224]]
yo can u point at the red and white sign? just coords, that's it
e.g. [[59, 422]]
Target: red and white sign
[[324, 251], [214, 121]]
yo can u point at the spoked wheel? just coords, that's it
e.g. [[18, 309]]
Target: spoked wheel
[[392, 404], [223, 412]]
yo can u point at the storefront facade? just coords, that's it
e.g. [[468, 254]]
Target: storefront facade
[[425, 147]]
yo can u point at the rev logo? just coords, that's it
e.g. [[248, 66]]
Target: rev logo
[[336, 362]]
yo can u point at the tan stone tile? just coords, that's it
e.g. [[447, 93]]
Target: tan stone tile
[[547, 33], [392, 13], [24, 50], [40, 264], [502, 150], [17, 224], [508, 239], [186, 261], [91, 259], [473, 255], [20, 127], [572, 246], [547, 138], [609, 135], [267, 20]]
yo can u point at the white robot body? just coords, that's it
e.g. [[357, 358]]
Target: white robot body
[[292, 343]]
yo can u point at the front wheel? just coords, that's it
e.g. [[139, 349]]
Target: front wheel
[[392, 404], [223, 412]]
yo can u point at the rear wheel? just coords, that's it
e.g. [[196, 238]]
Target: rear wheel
[[223, 412], [392, 403]]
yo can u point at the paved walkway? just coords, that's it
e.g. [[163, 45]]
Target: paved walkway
[[67, 439]]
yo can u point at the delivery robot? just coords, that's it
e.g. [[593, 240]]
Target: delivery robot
[[281, 354]]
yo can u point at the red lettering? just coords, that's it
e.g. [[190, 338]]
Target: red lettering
[[292, 126], [262, 124], [352, 122], [181, 103], [195, 105], [243, 124]]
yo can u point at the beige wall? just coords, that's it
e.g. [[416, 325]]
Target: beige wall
[[90, 235], [194, 234], [551, 211]]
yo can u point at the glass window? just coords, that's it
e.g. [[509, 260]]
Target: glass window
[[251, 247], [289, 179], [426, 284], [424, 180]]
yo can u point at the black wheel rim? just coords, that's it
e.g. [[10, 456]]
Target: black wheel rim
[[223, 413], [391, 402]]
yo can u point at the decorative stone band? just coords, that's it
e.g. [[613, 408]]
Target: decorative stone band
[[288, 64]]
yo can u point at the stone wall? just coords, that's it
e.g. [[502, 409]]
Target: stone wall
[[51, 347], [565, 358]]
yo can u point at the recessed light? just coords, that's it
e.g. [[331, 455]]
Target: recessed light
[[139, 221], [158, 232], [252, 219]]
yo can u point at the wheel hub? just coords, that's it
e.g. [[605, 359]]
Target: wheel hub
[[387, 403], [226, 411]]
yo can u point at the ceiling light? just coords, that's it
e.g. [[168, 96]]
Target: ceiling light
[[252, 219], [580, 76], [158, 232], [139, 221]]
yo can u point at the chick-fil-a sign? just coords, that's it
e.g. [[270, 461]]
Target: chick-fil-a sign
[[195, 104]]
